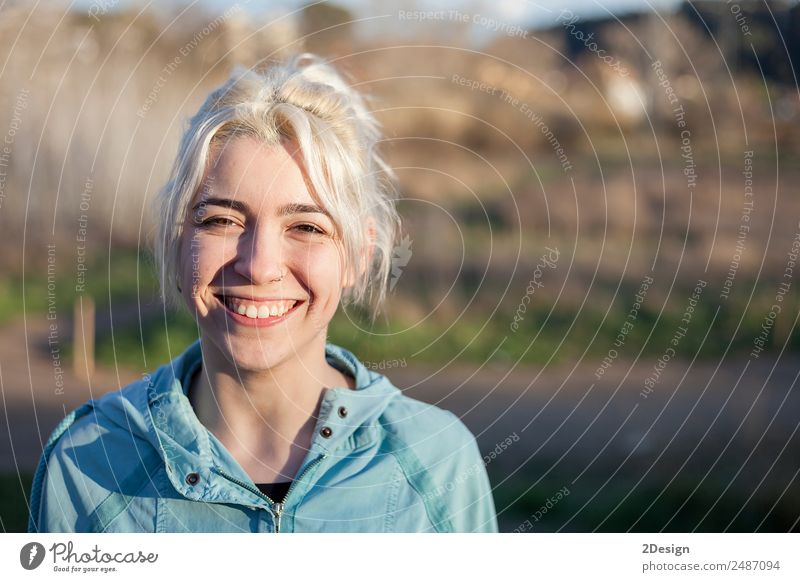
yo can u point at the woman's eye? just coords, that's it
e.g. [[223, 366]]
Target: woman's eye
[[310, 228], [218, 221]]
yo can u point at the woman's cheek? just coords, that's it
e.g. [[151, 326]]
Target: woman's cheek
[[323, 276], [325, 268], [201, 262]]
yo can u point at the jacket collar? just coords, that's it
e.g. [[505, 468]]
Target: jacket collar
[[347, 420]]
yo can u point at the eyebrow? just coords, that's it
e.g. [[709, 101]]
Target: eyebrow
[[224, 202], [285, 210], [301, 208]]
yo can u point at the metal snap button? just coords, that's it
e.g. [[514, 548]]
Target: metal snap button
[[192, 478], [342, 411], [326, 432]]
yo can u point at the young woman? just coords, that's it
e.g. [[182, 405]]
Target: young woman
[[277, 209]]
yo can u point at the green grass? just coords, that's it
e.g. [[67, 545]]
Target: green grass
[[119, 276], [473, 339], [560, 336], [159, 341]]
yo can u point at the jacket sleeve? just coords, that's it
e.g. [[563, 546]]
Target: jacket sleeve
[[470, 502], [51, 507], [90, 472]]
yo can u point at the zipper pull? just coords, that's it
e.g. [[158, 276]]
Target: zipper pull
[[277, 508]]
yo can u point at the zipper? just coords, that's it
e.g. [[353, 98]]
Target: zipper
[[277, 508]]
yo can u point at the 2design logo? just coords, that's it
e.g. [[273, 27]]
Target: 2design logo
[[31, 555]]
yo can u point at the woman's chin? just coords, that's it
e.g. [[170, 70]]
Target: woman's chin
[[257, 355], [257, 350]]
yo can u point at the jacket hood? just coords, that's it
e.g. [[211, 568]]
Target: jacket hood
[[157, 410]]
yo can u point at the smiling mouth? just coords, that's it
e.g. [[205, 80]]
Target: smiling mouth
[[256, 311]]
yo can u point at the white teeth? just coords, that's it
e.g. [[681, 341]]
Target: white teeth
[[262, 311]]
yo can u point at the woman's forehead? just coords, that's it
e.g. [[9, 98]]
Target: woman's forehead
[[257, 175]]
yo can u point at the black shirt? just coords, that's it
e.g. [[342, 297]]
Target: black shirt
[[275, 491]]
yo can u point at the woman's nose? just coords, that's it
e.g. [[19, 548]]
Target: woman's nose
[[260, 259]]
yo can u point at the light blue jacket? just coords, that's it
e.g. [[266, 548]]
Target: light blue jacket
[[138, 460]]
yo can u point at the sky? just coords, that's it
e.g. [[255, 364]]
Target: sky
[[524, 12], [532, 13]]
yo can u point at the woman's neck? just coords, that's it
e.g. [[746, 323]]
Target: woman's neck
[[265, 419]]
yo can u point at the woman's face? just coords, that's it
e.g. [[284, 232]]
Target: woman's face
[[261, 266]]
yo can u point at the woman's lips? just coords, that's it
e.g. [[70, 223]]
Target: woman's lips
[[256, 321]]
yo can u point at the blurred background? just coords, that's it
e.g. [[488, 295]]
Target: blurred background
[[602, 225]]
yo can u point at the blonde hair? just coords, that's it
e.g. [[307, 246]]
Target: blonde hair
[[307, 101]]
